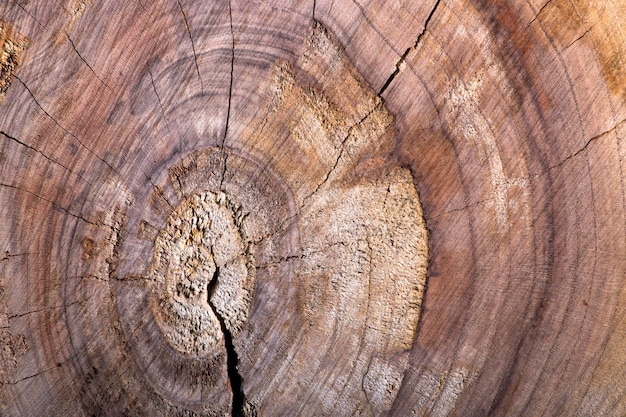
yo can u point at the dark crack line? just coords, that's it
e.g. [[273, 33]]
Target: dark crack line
[[30, 376], [589, 141], [180, 186], [28, 13], [56, 206], [409, 49], [280, 261], [193, 46], [552, 167], [303, 255], [6, 135], [287, 222], [62, 128], [537, 15], [232, 70], [585, 33], [475, 203], [230, 94], [370, 287], [342, 148], [43, 371], [159, 191], [232, 359], [280, 228], [47, 308], [85, 61], [9, 255]]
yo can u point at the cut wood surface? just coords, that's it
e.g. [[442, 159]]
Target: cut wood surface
[[320, 207]]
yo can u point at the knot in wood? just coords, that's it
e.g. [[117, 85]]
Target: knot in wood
[[201, 272]]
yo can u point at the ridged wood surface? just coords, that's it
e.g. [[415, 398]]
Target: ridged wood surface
[[312, 208]]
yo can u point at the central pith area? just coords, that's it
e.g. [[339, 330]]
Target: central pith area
[[201, 273]]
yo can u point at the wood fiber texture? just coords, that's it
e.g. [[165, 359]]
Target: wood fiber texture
[[319, 207]]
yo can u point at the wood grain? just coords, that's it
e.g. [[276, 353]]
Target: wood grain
[[318, 207]]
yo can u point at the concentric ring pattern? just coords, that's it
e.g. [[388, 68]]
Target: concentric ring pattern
[[312, 208]]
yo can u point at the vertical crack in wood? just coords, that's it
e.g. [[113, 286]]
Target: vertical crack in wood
[[232, 359], [232, 69], [230, 91]]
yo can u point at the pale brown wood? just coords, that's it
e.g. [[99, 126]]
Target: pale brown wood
[[319, 207]]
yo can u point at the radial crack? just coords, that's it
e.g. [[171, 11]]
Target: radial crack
[[56, 206], [537, 14], [232, 359], [588, 142], [342, 147], [408, 50], [6, 135], [232, 69], [193, 46], [47, 308], [85, 62], [159, 100], [454, 210], [63, 128], [28, 13]]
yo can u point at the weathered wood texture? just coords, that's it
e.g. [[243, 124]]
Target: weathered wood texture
[[328, 207]]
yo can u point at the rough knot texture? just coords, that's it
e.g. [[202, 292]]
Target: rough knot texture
[[201, 242]]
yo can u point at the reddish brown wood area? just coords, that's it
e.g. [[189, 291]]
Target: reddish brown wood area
[[320, 207]]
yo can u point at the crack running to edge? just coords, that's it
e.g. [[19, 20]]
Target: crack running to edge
[[409, 49], [232, 359], [54, 161]]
